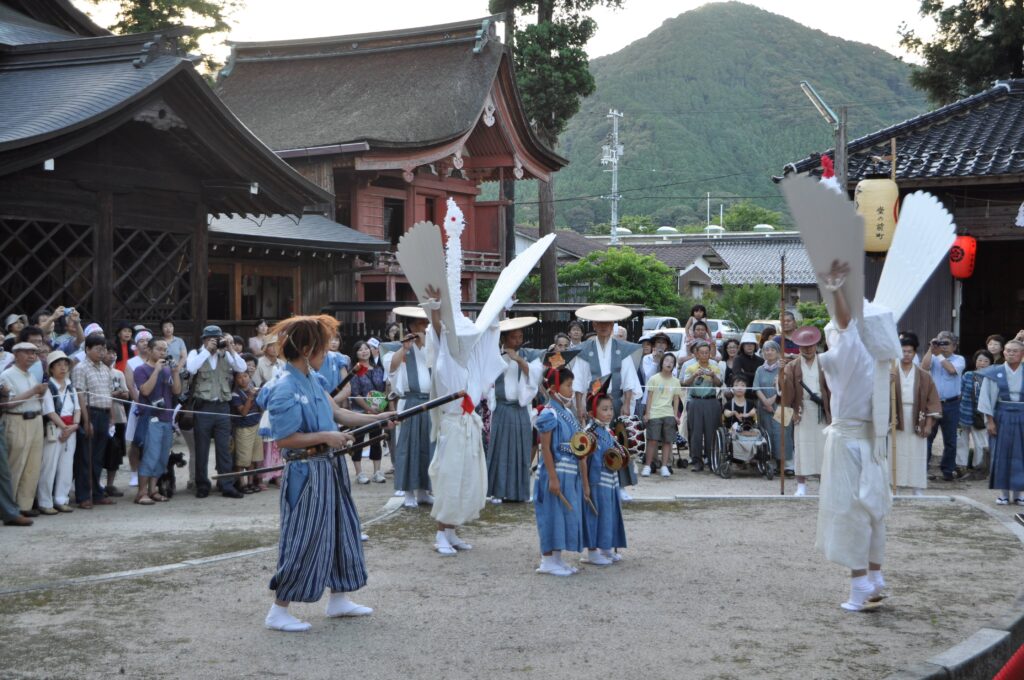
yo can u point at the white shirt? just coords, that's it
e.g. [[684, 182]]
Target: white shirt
[[197, 357], [627, 373], [400, 378], [907, 380], [18, 381], [989, 394], [519, 386], [849, 370], [67, 398]]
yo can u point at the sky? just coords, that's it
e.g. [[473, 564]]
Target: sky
[[870, 21]]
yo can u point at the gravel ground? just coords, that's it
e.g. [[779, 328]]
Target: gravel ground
[[709, 589]]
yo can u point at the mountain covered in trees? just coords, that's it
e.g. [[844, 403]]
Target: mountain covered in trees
[[712, 103]]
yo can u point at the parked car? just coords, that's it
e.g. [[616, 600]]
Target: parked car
[[758, 325], [723, 329], [654, 323]]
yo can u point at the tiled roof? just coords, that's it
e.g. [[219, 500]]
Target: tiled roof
[[757, 260], [675, 255], [980, 136], [24, 22], [566, 240], [312, 231]]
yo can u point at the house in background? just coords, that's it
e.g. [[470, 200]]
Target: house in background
[[393, 124], [969, 154], [114, 153]]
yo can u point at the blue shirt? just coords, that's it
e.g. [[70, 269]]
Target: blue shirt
[[238, 399], [947, 385], [297, 403], [330, 369]]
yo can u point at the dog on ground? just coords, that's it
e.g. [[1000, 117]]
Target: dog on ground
[[166, 484]]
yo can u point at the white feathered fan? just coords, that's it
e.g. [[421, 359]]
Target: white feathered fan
[[831, 229]]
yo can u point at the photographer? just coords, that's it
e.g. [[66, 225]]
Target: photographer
[[159, 383], [945, 367], [213, 366]]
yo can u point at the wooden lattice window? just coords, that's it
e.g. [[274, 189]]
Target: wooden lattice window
[[45, 264], [152, 271]]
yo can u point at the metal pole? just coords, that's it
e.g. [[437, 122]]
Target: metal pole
[[840, 153], [782, 382], [610, 156]]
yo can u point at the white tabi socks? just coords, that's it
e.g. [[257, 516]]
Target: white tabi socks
[[278, 618], [340, 605], [597, 558], [877, 581], [455, 541], [442, 545], [550, 564], [861, 591], [801, 489]]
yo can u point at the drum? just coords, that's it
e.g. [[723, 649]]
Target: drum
[[629, 431], [378, 400], [583, 443]]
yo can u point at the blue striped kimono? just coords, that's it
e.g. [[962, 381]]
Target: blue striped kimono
[[605, 530], [559, 527], [320, 543]]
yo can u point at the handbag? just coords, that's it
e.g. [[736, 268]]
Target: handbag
[[186, 417]]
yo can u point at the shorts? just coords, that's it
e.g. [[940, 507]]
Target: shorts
[[662, 429], [248, 446]]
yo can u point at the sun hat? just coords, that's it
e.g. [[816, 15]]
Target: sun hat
[[806, 336], [211, 332], [56, 355], [24, 347], [506, 325], [14, 318], [605, 313]]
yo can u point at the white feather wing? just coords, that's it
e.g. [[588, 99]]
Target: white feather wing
[[511, 278], [831, 230], [421, 256], [924, 234]]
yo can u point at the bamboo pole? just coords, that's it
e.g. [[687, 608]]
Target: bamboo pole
[[782, 382], [892, 423]]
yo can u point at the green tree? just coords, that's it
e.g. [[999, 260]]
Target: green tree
[[745, 215], [553, 73], [638, 224], [743, 303], [975, 42], [622, 275], [203, 16], [813, 314]]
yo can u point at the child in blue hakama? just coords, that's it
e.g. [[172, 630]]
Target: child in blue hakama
[[320, 543], [603, 530], [561, 480]]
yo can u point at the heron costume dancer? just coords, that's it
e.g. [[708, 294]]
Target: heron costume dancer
[[468, 359], [863, 345]]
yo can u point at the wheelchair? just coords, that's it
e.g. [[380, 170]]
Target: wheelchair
[[751, 448]]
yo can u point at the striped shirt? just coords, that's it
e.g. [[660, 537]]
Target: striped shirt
[[94, 382]]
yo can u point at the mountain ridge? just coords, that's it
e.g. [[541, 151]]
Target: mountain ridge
[[712, 103]]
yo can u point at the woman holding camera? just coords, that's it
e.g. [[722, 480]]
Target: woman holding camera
[[158, 388], [368, 385]]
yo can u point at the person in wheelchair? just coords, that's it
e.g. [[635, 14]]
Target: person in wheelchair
[[740, 417]]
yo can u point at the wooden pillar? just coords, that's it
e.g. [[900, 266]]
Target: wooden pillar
[[200, 271], [103, 265]]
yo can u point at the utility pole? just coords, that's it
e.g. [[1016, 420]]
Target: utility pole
[[610, 155]]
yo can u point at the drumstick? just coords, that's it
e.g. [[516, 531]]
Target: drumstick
[[568, 505], [592, 506]]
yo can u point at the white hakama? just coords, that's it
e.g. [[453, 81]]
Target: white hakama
[[809, 433], [911, 451]]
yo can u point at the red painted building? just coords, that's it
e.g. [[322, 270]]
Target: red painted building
[[393, 124]]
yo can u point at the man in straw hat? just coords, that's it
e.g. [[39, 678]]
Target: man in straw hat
[[855, 497], [604, 355], [409, 368], [805, 390], [511, 443]]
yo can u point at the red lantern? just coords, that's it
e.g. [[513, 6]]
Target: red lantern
[[961, 256]]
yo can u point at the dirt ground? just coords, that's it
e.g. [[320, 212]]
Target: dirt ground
[[709, 588]]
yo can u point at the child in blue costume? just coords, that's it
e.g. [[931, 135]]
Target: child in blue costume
[[561, 480], [604, 530], [320, 543]]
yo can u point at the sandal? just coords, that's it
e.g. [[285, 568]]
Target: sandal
[[144, 500], [159, 497], [247, 490]]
